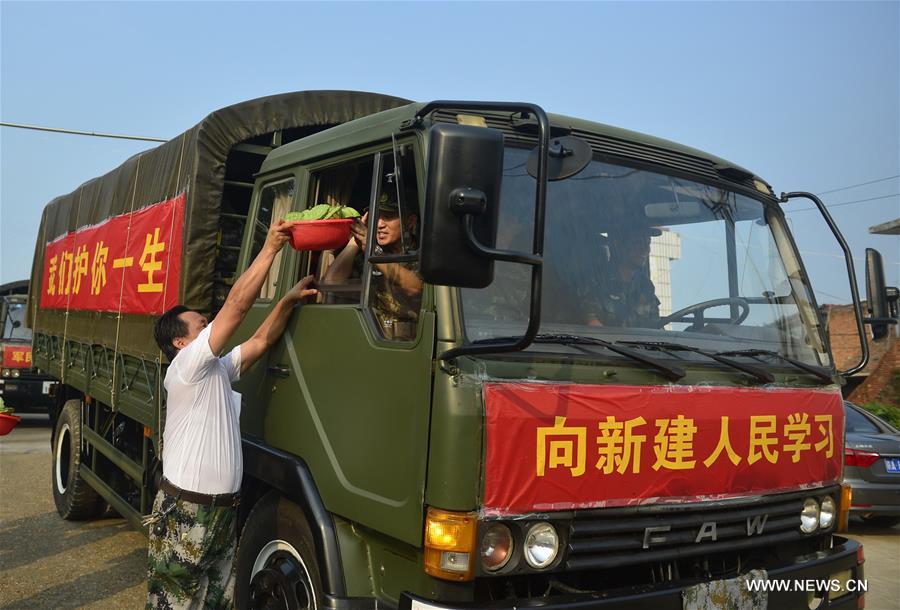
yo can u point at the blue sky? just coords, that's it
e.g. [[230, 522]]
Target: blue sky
[[805, 94]]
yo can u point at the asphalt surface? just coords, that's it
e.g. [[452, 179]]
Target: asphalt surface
[[46, 562]]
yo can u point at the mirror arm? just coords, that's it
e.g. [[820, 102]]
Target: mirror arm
[[854, 291], [511, 256], [880, 321]]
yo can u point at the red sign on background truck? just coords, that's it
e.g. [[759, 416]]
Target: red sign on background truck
[[16, 356], [556, 447], [129, 263]]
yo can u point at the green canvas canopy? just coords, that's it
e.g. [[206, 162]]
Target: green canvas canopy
[[196, 163]]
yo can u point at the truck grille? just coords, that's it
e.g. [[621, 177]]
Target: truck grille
[[608, 538]]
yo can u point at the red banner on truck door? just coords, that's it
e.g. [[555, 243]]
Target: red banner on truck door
[[560, 447], [129, 263]]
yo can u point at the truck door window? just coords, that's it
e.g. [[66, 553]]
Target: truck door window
[[339, 272], [395, 286], [274, 203], [385, 193], [13, 319]]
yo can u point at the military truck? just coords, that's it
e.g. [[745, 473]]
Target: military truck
[[615, 389], [23, 387]]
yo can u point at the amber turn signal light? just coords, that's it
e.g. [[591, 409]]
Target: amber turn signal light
[[844, 515], [450, 544]]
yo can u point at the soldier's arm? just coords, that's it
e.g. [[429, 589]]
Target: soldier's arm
[[403, 277], [342, 266]]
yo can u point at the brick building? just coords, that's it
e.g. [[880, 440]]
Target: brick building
[[880, 380]]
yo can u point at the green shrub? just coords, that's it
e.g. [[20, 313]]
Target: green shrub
[[888, 413]]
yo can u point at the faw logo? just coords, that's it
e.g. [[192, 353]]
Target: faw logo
[[657, 534]]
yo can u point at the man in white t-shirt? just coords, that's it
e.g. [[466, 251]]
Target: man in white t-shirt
[[193, 523]]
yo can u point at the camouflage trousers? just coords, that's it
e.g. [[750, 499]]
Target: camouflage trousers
[[191, 556]]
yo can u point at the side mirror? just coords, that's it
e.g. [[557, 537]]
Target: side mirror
[[16, 324], [465, 169], [876, 294]]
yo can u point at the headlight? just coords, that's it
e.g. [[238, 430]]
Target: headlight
[[496, 547], [541, 545], [6, 372], [809, 516], [829, 510], [15, 372]]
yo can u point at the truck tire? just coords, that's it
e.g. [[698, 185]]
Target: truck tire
[[75, 499], [276, 559]]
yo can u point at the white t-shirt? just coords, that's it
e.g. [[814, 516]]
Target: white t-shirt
[[202, 438]]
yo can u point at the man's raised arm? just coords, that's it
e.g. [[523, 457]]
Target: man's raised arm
[[246, 288]]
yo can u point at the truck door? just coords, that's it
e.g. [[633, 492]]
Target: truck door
[[349, 387]]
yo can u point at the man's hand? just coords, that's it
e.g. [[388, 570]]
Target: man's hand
[[279, 234], [302, 290]]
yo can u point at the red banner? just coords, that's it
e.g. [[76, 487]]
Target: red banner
[[129, 263], [16, 356], [561, 447]]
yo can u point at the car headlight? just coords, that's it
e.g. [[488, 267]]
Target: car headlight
[[809, 516], [15, 372], [541, 545], [828, 512], [496, 547], [6, 372]]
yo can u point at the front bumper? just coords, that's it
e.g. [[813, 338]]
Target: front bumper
[[820, 566], [28, 394]]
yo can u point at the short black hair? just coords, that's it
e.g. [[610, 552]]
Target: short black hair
[[168, 328]]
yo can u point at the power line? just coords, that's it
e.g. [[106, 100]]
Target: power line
[[853, 186], [82, 133], [830, 296], [837, 205]]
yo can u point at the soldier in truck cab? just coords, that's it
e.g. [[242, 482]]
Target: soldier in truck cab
[[627, 297], [194, 517], [396, 287]]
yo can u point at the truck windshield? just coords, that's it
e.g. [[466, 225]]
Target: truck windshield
[[14, 320], [633, 255]]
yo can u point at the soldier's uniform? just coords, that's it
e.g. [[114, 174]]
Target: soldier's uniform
[[628, 304], [397, 313]]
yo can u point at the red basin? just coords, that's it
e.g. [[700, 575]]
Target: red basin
[[320, 234]]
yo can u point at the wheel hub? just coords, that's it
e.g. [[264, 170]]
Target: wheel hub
[[63, 449], [280, 581]]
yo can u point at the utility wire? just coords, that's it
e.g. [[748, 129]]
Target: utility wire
[[837, 205], [82, 133], [853, 186]]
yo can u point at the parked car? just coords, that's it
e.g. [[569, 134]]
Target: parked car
[[872, 466]]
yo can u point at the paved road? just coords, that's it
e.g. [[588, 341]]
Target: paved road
[[46, 562]]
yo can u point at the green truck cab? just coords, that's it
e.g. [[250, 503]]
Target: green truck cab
[[545, 429]]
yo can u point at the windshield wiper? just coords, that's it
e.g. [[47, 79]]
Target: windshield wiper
[[672, 373], [818, 371], [754, 371]]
